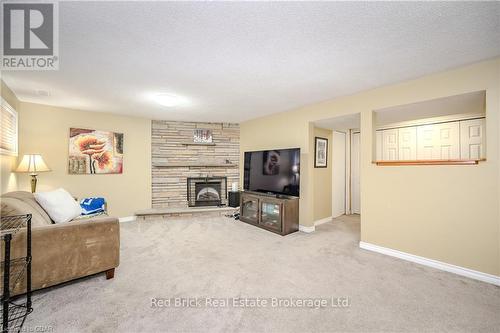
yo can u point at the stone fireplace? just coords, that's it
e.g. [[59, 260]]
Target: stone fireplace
[[177, 160]]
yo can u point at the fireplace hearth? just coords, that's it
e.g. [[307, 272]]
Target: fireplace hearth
[[206, 191]]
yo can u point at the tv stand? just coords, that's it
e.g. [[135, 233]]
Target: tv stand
[[273, 212]]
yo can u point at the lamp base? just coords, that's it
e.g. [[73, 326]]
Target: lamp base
[[33, 183]]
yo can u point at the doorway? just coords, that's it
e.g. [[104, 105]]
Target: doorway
[[346, 182]]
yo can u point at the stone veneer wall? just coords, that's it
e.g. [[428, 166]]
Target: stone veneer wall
[[169, 183]]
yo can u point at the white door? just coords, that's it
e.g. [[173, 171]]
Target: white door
[[472, 139], [338, 176], [407, 143], [390, 145], [355, 159], [438, 141], [426, 142]]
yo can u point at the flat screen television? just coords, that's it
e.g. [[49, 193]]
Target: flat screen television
[[274, 171]]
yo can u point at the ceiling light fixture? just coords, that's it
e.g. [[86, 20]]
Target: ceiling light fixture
[[169, 100]]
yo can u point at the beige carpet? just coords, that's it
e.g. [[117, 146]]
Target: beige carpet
[[222, 258]]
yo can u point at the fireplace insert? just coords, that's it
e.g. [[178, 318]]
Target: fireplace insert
[[206, 191]]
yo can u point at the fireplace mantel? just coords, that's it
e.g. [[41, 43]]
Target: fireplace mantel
[[197, 143]]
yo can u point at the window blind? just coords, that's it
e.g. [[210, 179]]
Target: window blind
[[8, 129]]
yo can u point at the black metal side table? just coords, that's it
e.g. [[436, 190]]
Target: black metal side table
[[15, 309]]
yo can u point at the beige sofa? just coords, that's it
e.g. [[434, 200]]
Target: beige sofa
[[66, 251]]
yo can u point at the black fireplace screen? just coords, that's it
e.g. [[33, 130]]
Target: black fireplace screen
[[206, 191]]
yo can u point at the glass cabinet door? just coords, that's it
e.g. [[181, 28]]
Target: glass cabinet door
[[270, 214], [250, 209]]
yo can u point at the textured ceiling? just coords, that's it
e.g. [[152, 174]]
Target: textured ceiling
[[240, 60]]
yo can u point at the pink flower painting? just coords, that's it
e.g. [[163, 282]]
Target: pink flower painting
[[95, 152]]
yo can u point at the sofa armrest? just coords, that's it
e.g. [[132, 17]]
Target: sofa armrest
[[66, 251]]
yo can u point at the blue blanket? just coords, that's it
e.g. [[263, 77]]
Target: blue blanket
[[93, 205]]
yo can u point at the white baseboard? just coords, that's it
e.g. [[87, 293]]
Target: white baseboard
[[326, 219], [127, 219], [489, 278], [303, 228]]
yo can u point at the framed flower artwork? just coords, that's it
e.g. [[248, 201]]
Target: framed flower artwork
[[95, 152]]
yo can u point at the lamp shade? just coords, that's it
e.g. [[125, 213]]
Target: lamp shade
[[32, 163]]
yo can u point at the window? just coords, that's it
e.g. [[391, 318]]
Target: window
[[8, 129]]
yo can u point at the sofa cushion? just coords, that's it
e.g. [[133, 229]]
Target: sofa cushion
[[59, 204], [13, 206], [29, 199]]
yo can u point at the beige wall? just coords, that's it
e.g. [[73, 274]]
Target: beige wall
[[8, 179], [323, 181], [447, 213], [45, 130]]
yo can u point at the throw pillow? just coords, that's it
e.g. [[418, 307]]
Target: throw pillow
[[59, 204]]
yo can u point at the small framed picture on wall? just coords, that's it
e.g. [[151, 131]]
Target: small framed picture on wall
[[202, 136], [320, 152]]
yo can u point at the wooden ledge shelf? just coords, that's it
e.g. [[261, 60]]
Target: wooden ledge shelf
[[428, 162], [194, 165], [197, 144]]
